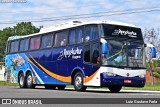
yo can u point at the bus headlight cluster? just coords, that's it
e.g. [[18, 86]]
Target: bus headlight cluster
[[142, 76], [109, 74]]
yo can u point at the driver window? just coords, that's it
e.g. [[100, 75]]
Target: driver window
[[95, 54]]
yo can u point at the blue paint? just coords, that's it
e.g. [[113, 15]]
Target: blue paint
[[118, 80]]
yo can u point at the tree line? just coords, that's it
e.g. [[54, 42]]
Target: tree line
[[23, 28]]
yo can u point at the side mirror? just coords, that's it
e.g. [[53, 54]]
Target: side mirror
[[153, 50], [104, 46]]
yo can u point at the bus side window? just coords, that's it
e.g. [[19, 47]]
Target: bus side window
[[47, 41], [87, 53], [95, 53], [35, 43], [80, 35], [24, 44], [8, 47], [72, 36], [61, 38], [14, 46], [32, 44], [91, 32]]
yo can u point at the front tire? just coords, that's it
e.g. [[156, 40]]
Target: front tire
[[78, 82], [29, 81], [114, 89], [22, 82]]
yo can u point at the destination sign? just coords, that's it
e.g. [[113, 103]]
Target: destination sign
[[122, 32]]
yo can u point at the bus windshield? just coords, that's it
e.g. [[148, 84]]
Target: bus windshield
[[123, 53], [125, 46]]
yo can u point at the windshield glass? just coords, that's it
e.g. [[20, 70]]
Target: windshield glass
[[135, 55], [123, 53]]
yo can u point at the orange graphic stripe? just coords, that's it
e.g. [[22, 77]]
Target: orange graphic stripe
[[31, 61], [87, 79], [58, 77]]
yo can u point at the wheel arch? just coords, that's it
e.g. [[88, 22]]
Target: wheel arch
[[74, 71]]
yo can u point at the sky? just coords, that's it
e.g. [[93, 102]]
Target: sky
[[27, 10]]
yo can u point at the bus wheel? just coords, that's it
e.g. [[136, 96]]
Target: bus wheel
[[29, 80], [78, 82], [61, 87], [50, 86], [114, 89], [22, 83]]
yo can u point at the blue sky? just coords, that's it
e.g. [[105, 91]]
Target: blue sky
[[37, 9]]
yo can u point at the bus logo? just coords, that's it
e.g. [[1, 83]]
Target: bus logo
[[121, 32], [67, 53]]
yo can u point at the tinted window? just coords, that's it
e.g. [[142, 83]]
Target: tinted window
[[8, 47], [95, 53], [122, 32], [87, 53], [14, 46], [72, 36], [61, 38], [80, 35], [91, 32], [24, 43], [35, 43], [47, 41]]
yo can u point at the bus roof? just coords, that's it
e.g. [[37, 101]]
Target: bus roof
[[70, 25]]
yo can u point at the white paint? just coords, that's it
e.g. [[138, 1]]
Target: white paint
[[95, 80], [37, 75], [123, 72], [2, 71]]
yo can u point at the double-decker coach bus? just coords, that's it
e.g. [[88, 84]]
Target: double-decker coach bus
[[101, 53]]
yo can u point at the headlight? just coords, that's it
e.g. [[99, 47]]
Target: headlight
[[142, 76], [109, 74]]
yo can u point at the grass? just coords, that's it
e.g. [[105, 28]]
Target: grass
[[155, 87], [5, 83]]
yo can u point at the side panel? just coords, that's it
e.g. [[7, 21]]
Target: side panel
[[53, 66]]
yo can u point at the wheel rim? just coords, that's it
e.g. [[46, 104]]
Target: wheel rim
[[29, 79], [21, 80], [78, 82]]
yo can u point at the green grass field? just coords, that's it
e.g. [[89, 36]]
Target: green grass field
[[4, 83], [155, 87]]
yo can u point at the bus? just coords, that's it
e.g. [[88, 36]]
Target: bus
[[83, 54]]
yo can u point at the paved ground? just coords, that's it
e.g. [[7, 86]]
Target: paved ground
[[16, 92]]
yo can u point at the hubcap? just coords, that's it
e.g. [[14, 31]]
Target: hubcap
[[29, 79], [78, 82]]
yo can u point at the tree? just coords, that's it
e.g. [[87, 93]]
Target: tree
[[152, 36], [23, 28]]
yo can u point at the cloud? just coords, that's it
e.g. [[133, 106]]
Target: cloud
[[36, 9]]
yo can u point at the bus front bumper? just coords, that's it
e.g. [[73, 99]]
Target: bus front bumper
[[122, 81]]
